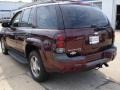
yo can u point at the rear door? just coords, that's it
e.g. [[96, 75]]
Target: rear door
[[87, 29], [23, 32]]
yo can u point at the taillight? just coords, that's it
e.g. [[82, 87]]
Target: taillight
[[60, 44], [113, 37]]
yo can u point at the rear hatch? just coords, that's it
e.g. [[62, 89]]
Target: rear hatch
[[87, 30], [87, 41]]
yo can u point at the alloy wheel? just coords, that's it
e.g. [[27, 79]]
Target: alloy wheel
[[35, 67]]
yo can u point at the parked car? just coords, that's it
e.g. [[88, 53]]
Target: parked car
[[5, 19], [59, 37]]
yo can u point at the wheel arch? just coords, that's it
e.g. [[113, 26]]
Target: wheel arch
[[30, 48], [32, 44]]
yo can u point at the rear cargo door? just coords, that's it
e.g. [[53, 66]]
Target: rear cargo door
[[81, 28]]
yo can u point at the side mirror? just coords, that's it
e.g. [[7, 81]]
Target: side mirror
[[13, 28], [5, 24]]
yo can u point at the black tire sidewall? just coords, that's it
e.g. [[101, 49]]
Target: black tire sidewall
[[43, 75]]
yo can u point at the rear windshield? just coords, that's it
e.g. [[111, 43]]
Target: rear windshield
[[79, 16]]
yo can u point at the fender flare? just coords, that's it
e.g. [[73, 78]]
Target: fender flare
[[33, 42], [38, 44]]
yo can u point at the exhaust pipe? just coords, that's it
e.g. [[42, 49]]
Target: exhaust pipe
[[106, 65], [101, 65], [98, 66]]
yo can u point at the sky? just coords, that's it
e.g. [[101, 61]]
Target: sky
[[17, 0]]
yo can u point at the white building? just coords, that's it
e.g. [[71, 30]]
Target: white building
[[109, 9], [112, 9]]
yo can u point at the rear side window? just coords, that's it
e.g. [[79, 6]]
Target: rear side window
[[25, 18], [79, 16], [47, 17]]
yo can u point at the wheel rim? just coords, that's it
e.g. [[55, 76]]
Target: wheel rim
[[35, 67], [2, 46]]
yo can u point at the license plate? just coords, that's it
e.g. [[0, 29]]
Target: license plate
[[94, 39]]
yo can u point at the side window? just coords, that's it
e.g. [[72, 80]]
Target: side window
[[47, 17], [16, 20], [25, 18], [31, 18]]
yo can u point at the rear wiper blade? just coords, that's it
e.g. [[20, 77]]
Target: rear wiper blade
[[94, 26], [98, 27]]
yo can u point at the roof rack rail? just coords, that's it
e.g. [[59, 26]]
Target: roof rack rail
[[38, 2], [48, 1]]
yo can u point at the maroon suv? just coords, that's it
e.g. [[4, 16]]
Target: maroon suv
[[59, 37]]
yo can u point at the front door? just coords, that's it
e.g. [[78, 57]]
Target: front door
[[11, 32]]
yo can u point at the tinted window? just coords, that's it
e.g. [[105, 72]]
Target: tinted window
[[25, 18], [46, 17], [78, 16]]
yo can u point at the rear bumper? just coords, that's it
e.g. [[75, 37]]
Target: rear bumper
[[63, 63]]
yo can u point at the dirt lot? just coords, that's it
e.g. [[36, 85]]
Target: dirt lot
[[15, 76]]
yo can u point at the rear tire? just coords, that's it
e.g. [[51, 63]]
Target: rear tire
[[3, 47], [36, 67]]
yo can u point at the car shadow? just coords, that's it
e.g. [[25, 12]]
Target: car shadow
[[89, 80]]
